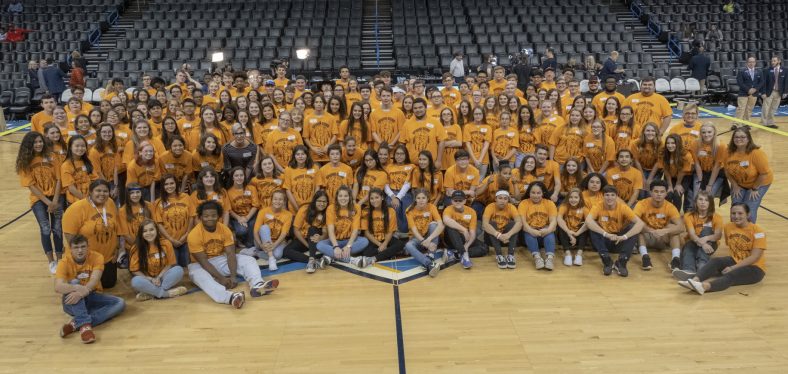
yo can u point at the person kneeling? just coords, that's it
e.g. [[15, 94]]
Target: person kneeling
[[614, 227], [215, 264], [154, 266], [662, 226], [78, 279], [501, 223], [460, 221], [746, 243]]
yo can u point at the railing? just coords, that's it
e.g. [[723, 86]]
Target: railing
[[94, 36], [112, 17], [674, 47], [636, 8]]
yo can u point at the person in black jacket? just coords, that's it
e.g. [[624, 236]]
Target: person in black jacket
[[699, 67], [32, 75], [750, 81], [773, 90]]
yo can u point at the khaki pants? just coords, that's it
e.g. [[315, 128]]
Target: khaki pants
[[656, 242], [2, 119], [770, 105], [744, 107]]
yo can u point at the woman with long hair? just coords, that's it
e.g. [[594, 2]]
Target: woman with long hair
[[426, 226], [271, 229], [677, 166], [143, 170], [453, 141], [344, 222], [572, 231], [748, 171], [571, 177], [39, 172], [169, 129], [299, 179], [131, 214], [174, 213], [309, 228], [704, 230], [209, 187], [539, 223], [526, 126], [106, 157], [208, 124], [77, 171], [243, 206], [398, 188], [624, 131], [599, 150], [427, 177], [153, 266], [464, 113], [370, 175], [505, 141], [267, 181], [56, 142], [567, 141], [356, 126], [379, 224], [708, 159], [208, 154], [178, 162], [646, 151]]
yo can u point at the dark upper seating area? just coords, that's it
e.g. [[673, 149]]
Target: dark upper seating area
[[250, 34], [427, 32], [58, 27]]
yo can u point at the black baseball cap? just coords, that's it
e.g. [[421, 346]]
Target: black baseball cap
[[458, 195]]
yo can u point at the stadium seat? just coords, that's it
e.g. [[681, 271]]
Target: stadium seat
[[662, 85]]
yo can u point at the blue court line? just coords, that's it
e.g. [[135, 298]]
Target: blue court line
[[398, 326]]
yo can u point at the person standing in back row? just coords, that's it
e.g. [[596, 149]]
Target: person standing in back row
[[750, 82], [773, 90], [699, 67]]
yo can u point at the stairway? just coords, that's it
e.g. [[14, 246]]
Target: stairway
[[106, 43], [377, 40], [658, 50]]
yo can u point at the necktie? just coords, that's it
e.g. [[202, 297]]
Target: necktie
[[752, 74]]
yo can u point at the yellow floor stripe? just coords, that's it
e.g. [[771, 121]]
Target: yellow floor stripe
[[386, 268], [748, 123], [7, 132]]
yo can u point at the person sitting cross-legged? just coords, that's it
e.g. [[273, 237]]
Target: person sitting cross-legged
[[614, 227], [215, 264], [78, 279], [662, 227], [460, 221], [154, 265]]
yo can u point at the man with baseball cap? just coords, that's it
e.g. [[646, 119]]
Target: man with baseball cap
[[460, 221]]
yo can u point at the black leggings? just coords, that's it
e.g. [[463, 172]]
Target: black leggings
[[750, 274], [295, 249], [395, 247], [563, 238], [110, 275], [456, 241]]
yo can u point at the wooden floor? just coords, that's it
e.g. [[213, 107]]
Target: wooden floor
[[484, 320]]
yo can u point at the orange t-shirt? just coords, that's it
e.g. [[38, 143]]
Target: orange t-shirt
[[504, 140], [387, 123], [706, 157], [175, 215], [466, 218], [626, 182], [648, 157], [688, 134], [301, 183], [332, 177], [656, 217], [574, 217], [82, 217], [130, 228], [744, 168], [379, 228], [157, 259], [453, 132], [76, 173], [105, 163], [179, 166], [476, 136], [421, 218], [598, 153], [43, 174], [300, 222], [741, 242], [612, 220], [210, 243], [547, 173], [650, 108], [318, 130], [279, 222], [537, 215], [424, 134], [144, 175], [264, 188], [694, 222], [500, 217], [68, 269], [242, 200], [344, 223], [568, 143], [372, 179], [456, 180], [399, 175]]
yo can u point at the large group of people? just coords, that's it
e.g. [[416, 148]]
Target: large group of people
[[205, 178]]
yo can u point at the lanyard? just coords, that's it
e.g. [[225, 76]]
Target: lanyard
[[103, 213]]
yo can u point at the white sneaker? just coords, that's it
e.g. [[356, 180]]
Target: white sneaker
[[697, 286], [272, 264], [356, 261], [578, 259], [568, 259], [52, 267]]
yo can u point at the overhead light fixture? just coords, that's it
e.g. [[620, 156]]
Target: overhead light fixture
[[302, 54], [217, 57]]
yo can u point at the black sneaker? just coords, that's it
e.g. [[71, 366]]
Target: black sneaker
[[607, 265], [123, 261], [675, 263], [646, 265], [621, 267], [510, 262], [501, 261]]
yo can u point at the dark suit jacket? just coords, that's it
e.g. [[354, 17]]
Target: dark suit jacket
[[768, 81], [745, 82], [699, 66]]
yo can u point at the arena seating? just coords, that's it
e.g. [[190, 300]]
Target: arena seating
[[251, 35], [59, 27]]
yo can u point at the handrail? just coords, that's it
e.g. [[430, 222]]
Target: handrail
[[674, 47], [654, 27], [112, 17], [636, 8], [94, 36]]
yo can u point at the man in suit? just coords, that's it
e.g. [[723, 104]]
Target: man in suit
[[773, 90], [750, 81], [53, 79], [699, 67], [611, 68]]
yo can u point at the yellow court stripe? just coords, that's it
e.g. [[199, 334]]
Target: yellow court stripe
[[386, 268], [748, 123], [7, 132]]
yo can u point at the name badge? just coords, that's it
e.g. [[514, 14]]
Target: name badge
[[528, 130], [407, 168], [204, 164], [579, 211], [291, 137], [365, 188], [660, 215], [435, 181], [511, 134], [123, 135], [578, 132], [469, 177], [310, 171], [83, 275], [277, 182], [342, 174], [84, 168], [635, 101], [540, 178], [615, 177], [467, 216], [91, 141], [269, 216], [605, 218], [72, 133], [707, 224], [426, 214], [744, 164], [187, 125], [169, 166], [215, 198], [429, 126], [759, 235], [313, 121], [623, 135], [247, 154], [483, 130], [702, 153], [589, 145], [695, 132], [156, 255], [353, 162], [247, 193]]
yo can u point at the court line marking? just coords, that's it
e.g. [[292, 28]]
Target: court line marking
[[16, 219], [398, 327], [15, 129]]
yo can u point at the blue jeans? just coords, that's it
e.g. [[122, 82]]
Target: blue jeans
[[94, 309], [534, 243], [402, 219], [752, 204], [168, 280], [716, 186], [326, 248], [265, 237], [694, 257], [414, 247], [687, 197], [182, 255], [49, 226], [245, 235]]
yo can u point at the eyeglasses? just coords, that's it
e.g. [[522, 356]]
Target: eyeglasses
[[239, 133]]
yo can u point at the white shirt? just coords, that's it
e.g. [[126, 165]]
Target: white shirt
[[457, 68]]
